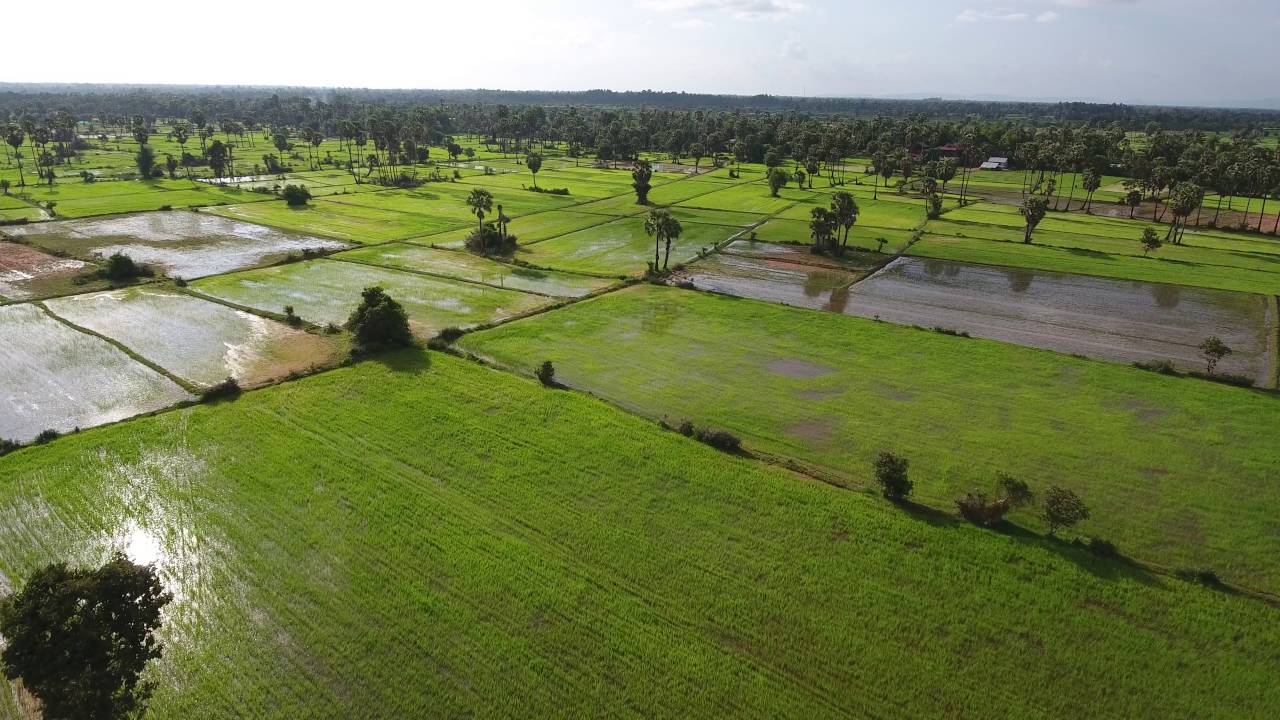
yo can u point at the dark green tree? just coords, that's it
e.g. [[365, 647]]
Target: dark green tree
[[379, 322], [641, 175], [79, 639]]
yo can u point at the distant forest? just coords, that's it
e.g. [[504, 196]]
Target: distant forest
[[293, 104]]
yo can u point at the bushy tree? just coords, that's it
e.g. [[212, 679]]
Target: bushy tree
[[145, 161], [777, 180], [1034, 207], [79, 639], [121, 268], [296, 195], [1150, 240], [379, 322], [980, 510], [534, 162], [1062, 509], [641, 175], [822, 229], [1213, 350], [891, 474]]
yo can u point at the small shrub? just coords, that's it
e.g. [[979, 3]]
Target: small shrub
[[718, 439], [7, 446], [332, 329], [1164, 367], [983, 512], [686, 428], [291, 317], [1203, 576], [547, 374], [166, 207], [121, 268], [47, 436], [1102, 548], [179, 281], [951, 331], [489, 241], [226, 389], [296, 195], [549, 191], [891, 474], [450, 334], [1225, 378]]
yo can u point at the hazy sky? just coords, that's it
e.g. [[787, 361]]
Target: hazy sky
[[1164, 51]]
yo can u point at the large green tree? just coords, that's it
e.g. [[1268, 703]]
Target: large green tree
[[79, 639]]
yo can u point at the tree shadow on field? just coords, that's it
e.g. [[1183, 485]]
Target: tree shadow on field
[[1117, 567], [412, 361], [930, 515]]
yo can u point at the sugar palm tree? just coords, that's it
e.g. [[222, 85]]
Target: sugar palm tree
[[14, 135], [846, 213], [663, 229], [481, 202]]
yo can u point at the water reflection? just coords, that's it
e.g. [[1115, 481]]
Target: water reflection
[[1166, 296], [1020, 280]]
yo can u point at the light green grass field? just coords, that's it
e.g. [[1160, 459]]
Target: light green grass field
[[349, 545], [1176, 470]]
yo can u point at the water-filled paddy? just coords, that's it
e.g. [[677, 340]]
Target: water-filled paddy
[[1120, 320], [58, 378], [465, 266], [326, 291], [200, 341], [181, 243]]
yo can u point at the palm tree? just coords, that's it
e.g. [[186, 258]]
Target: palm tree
[[662, 228], [534, 162], [845, 209], [14, 135], [481, 202]]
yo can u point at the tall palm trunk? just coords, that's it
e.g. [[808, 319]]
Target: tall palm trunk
[[1071, 198]]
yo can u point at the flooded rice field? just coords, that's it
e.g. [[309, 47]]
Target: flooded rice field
[[182, 243], [326, 291], [58, 378], [26, 273], [1120, 320], [789, 283], [466, 266], [200, 341], [787, 274]]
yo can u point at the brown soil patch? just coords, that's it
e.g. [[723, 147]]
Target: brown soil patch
[[812, 431], [792, 367]]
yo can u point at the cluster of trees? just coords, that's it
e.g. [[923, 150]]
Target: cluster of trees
[[387, 136], [1060, 508]]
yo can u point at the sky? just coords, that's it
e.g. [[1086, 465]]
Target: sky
[[1184, 52]]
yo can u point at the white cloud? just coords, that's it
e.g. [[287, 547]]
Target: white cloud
[[795, 50], [741, 9], [692, 23], [1047, 16], [969, 15]]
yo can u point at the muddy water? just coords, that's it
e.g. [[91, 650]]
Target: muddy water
[[820, 288], [200, 341], [24, 269], [184, 244], [1104, 318], [57, 378]]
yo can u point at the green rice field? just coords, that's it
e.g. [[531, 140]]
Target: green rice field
[[347, 545]]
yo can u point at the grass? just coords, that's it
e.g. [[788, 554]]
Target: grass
[[341, 221], [347, 545], [1171, 467]]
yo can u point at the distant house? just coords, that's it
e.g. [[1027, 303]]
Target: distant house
[[995, 163], [950, 150]]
